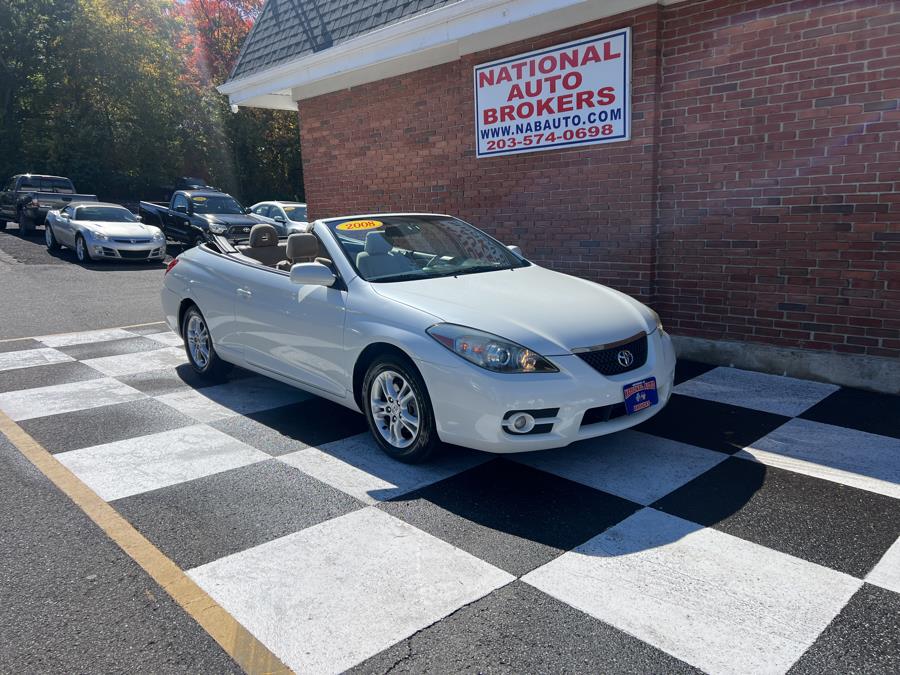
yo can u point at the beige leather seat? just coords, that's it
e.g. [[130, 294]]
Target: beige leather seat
[[378, 258], [263, 246], [301, 248]]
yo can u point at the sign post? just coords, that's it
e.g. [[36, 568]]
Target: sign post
[[578, 93]]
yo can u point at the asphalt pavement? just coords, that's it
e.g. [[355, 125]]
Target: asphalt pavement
[[43, 292], [751, 526]]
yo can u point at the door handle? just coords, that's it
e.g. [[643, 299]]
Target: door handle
[[244, 293]]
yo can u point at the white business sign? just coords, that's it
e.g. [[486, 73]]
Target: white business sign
[[572, 94]]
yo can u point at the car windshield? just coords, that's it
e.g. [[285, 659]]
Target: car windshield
[[405, 248], [296, 213], [105, 214], [224, 205]]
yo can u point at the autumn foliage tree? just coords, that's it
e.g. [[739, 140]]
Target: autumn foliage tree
[[120, 95]]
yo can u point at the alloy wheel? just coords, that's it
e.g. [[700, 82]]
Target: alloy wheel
[[198, 341], [395, 409]]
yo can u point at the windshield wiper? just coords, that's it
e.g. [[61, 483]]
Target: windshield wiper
[[408, 276], [473, 270]]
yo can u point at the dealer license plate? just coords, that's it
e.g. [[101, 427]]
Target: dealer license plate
[[640, 395]]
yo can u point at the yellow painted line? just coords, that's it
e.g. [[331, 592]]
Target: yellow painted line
[[237, 641], [89, 330]]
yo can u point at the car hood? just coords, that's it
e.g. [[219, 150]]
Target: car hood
[[230, 219], [120, 229], [548, 312]]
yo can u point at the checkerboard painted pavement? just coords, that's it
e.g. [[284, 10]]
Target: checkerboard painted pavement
[[751, 526]]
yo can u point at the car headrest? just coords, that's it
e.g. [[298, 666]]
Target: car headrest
[[263, 234], [302, 245], [376, 244]]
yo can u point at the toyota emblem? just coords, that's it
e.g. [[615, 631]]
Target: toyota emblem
[[625, 358]]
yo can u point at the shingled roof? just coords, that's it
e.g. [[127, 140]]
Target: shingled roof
[[287, 29]]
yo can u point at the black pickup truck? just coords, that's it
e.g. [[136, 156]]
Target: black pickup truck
[[192, 215], [26, 199]]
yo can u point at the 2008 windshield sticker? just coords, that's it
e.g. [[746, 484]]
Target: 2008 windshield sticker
[[576, 93], [353, 225]]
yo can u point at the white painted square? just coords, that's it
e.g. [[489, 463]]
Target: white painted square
[[168, 338], [138, 362], [629, 464], [135, 465], [856, 458], [357, 466], [84, 337], [887, 572], [332, 595], [239, 397], [759, 391], [718, 602], [27, 358], [62, 398]]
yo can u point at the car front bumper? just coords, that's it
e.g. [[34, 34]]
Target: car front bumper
[[470, 403], [154, 249]]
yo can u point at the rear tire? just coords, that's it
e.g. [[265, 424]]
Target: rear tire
[[398, 410], [50, 238], [198, 346]]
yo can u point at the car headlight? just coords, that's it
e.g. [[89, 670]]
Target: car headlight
[[658, 323], [489, 351], [218, 228], [100, 236], [158, 235]]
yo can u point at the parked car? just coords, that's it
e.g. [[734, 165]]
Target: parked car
[[192, 215], [27, 198], [97, 230], [429, 327], [287, 217]]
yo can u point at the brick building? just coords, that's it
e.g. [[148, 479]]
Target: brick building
[[755, 205]]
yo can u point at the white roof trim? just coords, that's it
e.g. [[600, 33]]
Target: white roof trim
[[423, 40]]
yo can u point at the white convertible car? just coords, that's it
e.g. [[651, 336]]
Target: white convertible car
[[431, 328]]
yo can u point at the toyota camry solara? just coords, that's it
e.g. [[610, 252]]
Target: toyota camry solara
[[432, 329]]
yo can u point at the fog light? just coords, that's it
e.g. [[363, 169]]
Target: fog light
[[521, 423]]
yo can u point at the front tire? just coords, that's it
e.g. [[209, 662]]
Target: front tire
[[81, 250], [199, 347], [50, 238], [398, 410], [25, 225]]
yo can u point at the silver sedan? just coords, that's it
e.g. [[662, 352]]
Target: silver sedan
[[100, 231], [287, 217]]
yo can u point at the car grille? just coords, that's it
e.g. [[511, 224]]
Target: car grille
[[606, 361], [604, 413], [239, 231], [142, 240], [134, 255]]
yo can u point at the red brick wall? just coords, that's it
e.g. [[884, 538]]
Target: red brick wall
[[779, 167], [757, 199], [407, 144]]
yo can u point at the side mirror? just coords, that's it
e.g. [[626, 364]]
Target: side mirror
[[248, 210], [139, 218], [515, 249], [312, 274]]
